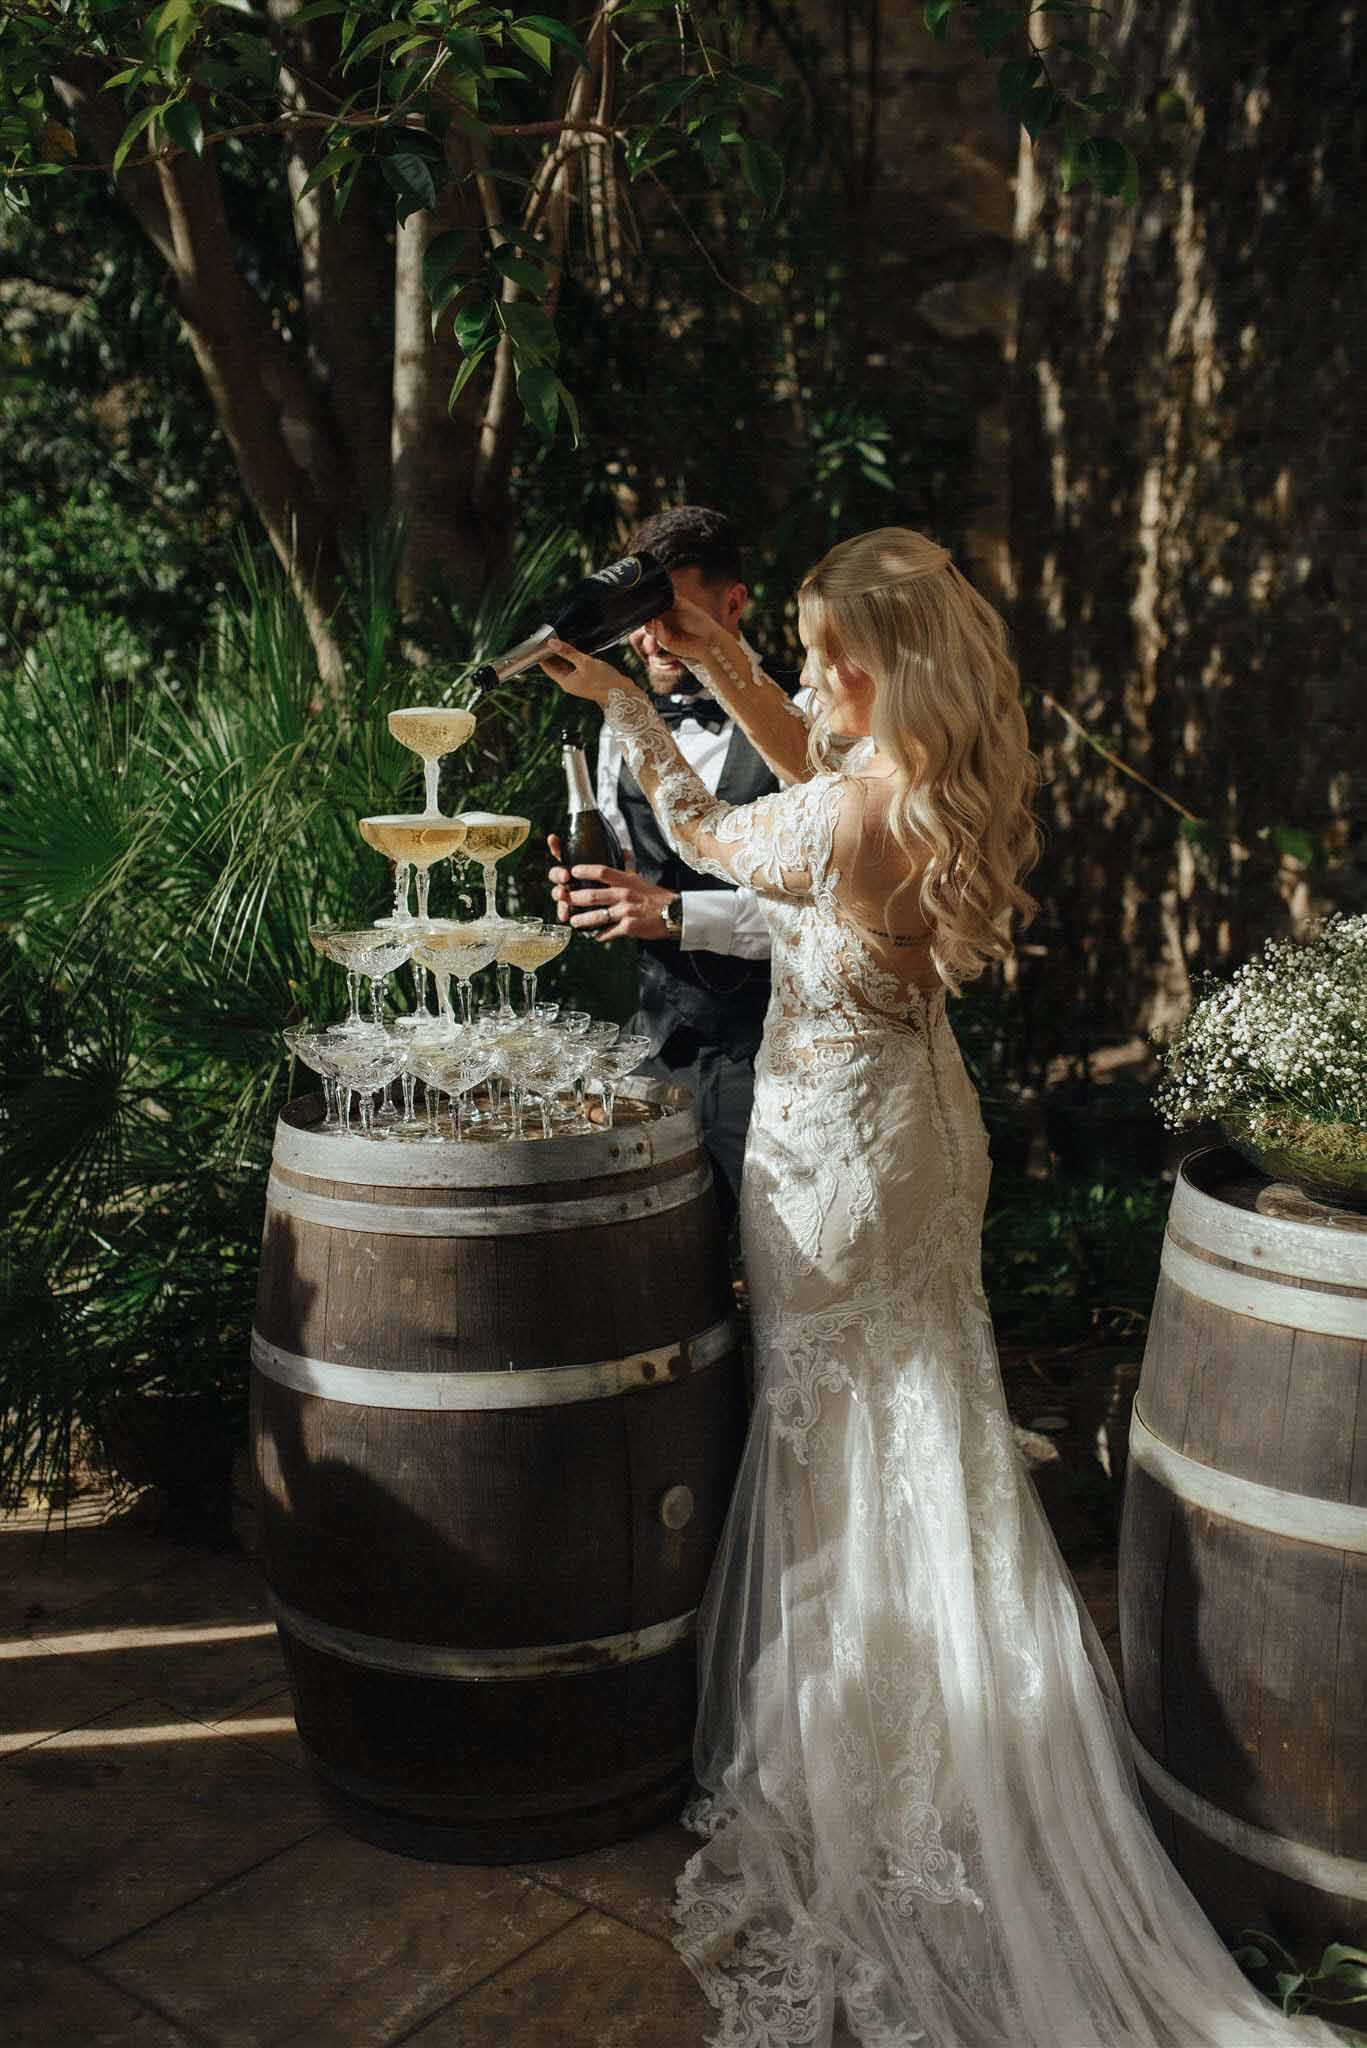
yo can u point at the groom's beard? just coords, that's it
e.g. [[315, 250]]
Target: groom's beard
[[665, 678]]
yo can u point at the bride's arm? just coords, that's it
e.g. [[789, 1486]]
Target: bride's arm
[[772, 846], [776, 727]]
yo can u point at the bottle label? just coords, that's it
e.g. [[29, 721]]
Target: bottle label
[[619, 575]]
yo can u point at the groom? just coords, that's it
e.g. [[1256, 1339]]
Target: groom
[[704, 959]]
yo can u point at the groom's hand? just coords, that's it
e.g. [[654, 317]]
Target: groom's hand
[[616, 905]]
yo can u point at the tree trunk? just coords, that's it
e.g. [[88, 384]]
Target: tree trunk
[[432, 452], [292, 465], [346, 271], [1189, 435]]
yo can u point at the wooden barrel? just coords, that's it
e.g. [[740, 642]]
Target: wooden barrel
[[497, 1412], [1243, 1555]]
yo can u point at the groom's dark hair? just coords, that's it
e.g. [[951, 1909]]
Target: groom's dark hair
[[692, 537]]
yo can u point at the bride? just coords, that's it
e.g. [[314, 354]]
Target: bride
[[919, 1810]]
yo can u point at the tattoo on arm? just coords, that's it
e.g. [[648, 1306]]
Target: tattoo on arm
[[728, 667]]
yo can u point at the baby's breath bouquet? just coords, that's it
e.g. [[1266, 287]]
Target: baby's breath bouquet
[[1279, 1055]]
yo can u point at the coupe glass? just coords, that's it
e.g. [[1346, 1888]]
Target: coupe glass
[[450, 1066], [488, 838], [412, 842], [313, 1049], [432, 731], [452, 950], [572, 1063], [366, 1066], [368, 952], [611, 1063], [526, 1058], [597, 1034], [531, 945]]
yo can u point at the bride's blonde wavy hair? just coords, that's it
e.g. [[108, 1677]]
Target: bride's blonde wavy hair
[[947, 712]]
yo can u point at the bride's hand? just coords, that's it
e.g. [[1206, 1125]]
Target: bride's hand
[[685, 630], [580, 675]]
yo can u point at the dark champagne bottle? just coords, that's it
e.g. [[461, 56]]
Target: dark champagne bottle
[[597, 614], [585, 834]]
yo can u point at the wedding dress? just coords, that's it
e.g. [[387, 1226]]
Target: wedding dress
[[921, 1815]]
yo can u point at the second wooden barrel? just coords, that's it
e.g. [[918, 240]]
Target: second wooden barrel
[[497, 1412], [1243, 1555]]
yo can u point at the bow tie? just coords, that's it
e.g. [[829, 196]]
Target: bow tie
[[705, 710]]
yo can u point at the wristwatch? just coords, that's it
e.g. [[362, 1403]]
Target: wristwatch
[[672, 916]]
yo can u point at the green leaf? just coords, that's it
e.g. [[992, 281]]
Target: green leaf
[[536, 46], [467, 371], [142, 119], [711, 133], [450, 288], [1269, 1942], [1112, 169], [520, 270], [567, 399], [209, 72], [1086, 53], [547, 25], [327, 167], [763, 169], [532, 331], [1339, 1952], [539, 390], [524, 238], [936, 15], [1351, 1975], [992, 26], [184, 126], [1298, 845], [1251, 1958], [388, 32], [1199, 832], [1038, 111], [315, 11], [454, 250], [756, 79], [472, 323], [410, 176], [670, 96], [467, 47], [1015, 81], [122, 77]]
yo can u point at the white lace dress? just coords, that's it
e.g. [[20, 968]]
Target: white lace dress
[[921, 1817]]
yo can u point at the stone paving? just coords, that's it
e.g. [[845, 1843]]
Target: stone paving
[[169, 1878]]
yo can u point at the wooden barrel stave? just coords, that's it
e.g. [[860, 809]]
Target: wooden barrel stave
[[467, 1543], [1242, 1637], [473, 1530]]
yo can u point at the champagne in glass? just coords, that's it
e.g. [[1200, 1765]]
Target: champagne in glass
[[432, 731], [412, 842], [488, 837], [531, 946]]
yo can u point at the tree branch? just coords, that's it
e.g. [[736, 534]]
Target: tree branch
[[283, 124]]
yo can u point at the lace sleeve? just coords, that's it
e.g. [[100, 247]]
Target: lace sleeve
[[778, 846], [776, 727]]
